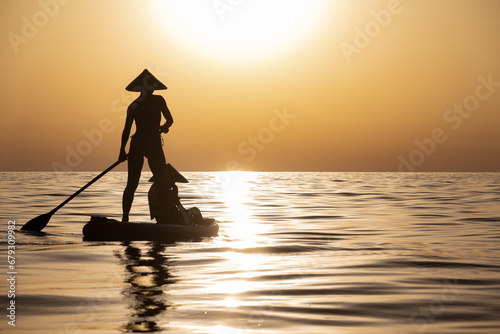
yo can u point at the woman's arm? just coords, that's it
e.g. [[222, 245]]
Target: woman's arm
[[166, 113], [126, 134]]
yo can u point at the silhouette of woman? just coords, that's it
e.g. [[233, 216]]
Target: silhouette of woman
[[146, 111]]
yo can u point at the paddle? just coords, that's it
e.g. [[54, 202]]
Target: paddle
[[38, 223]]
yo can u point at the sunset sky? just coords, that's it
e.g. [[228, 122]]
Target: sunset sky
[[265, 85]]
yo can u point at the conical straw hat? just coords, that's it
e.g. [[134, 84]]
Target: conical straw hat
[[172, 175], [144, 82]]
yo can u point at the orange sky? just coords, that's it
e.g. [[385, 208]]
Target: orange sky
[[285, 85]]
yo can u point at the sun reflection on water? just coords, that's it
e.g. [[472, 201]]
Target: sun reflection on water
[[230, 302], [231, 287], [237, 193], [243, 236], [227, 330]]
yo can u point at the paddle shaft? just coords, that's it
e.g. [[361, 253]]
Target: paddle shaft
[[86, 186]]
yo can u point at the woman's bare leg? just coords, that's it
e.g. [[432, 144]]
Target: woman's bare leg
[[134, 174]]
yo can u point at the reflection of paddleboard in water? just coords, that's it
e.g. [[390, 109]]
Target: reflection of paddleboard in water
[[104, 229]]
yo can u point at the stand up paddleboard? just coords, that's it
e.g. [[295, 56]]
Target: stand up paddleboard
[[104, 229]]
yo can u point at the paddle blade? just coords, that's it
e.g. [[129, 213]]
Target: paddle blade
[[37, 223]]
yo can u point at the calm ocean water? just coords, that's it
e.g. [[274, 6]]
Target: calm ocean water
[[297, 253]]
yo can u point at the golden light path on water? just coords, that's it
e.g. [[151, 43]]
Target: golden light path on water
[[242, 233], [236, 193]]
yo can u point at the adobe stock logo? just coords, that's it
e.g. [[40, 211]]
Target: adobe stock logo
[[31, 25], [254, 144], [363, 36], [222, 7], [250, 147], [453, 116]]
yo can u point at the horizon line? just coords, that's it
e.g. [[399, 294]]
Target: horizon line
[[255, 171]]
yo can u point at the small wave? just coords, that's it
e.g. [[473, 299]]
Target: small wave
[[349, 194], [268, 250], [45, 304], [358, 289], [481, 219], [320, 217], [430, 215], [426, 264], [432, 281]]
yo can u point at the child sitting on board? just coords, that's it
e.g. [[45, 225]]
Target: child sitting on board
[[172, 212]]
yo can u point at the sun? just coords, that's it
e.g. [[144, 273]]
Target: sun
[[240, 29]]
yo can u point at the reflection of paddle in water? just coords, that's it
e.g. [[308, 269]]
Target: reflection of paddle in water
[[147, 274]]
